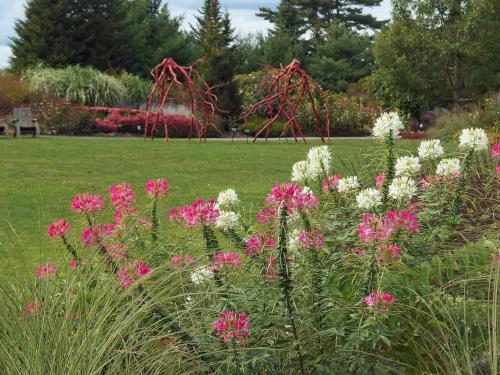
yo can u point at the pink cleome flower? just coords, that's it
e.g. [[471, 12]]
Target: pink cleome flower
[[72, 263], [97, 233], [292, 196], [271, 268], [116, 251], [231, 325], [182, 260], [331, 183], [380, 300], [379, 180], [32, 308], [388, 253], [58, 228], [259, 242], [495, 151], [200, 211], [266, 215], [46, 270], [312, 240], [380, 228], [86, 203], [122, 197], [157, 187], [228, 260], [128, 274]]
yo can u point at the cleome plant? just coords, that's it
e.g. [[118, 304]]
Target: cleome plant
[[391, 272]]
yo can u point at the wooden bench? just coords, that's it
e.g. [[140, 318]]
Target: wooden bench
[[24, 122]]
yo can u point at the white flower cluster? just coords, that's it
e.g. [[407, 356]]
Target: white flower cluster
[[430, 149], [369, 198], [407, 166], [387, 123], [293, 241], [348, 184], [448, 167], [227, 220], [318, 163], [402, 187], [227, 200], [474, 138], [201, 274]]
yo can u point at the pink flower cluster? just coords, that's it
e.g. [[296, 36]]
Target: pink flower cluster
[[292, 196], [380, 228], [129, 274], [231, 325], [312, 240], [388, 253], [266, 215], [495, 151], [46, 270], [259, 242], [157, 187], [32, 308], [97, 234], [86, 203], [379, 300], [58, 228], [72, 263], [200, 211], [227, 260], [331, 183], [182, 260], [429, 181], [116, 251], [379, 180], [123, 198]]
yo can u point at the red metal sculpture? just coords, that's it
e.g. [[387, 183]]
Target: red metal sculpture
[[181, 85], [288, 91]]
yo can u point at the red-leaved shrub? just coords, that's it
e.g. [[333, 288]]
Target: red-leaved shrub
[[178, 125]]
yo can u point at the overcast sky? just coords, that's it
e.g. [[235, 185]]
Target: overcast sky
[[242, 15]]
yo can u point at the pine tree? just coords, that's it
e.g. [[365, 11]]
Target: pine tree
[[215, 35], [286, 19], [42, 36]]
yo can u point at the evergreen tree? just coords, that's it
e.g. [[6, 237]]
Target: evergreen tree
[[215, 35], [286, 19], [159, 36], [343, 58], [42, 36]]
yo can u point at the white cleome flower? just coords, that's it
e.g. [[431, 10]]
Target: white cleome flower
[[348, 184], [201, 274], [430, 149], [293, 241], [319, 160], [369, 198], [474, 138], [448, 167], [227, 200], [407, 166], [386, 123], [300, 171], [402, 187], [227, 220]]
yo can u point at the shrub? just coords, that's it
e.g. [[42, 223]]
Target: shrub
[[255, 123], [399, 277], [71, 121], [13, 92], [137, 89], [79, 85]]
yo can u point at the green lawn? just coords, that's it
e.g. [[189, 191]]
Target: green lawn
[[38, 177]]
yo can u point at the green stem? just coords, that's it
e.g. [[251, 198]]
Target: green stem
[[71, 249], [154, 218], [456, 204], [389, 166], [212, 247], [285, 279]]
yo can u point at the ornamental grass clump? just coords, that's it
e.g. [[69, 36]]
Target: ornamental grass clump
[[396, 271]]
